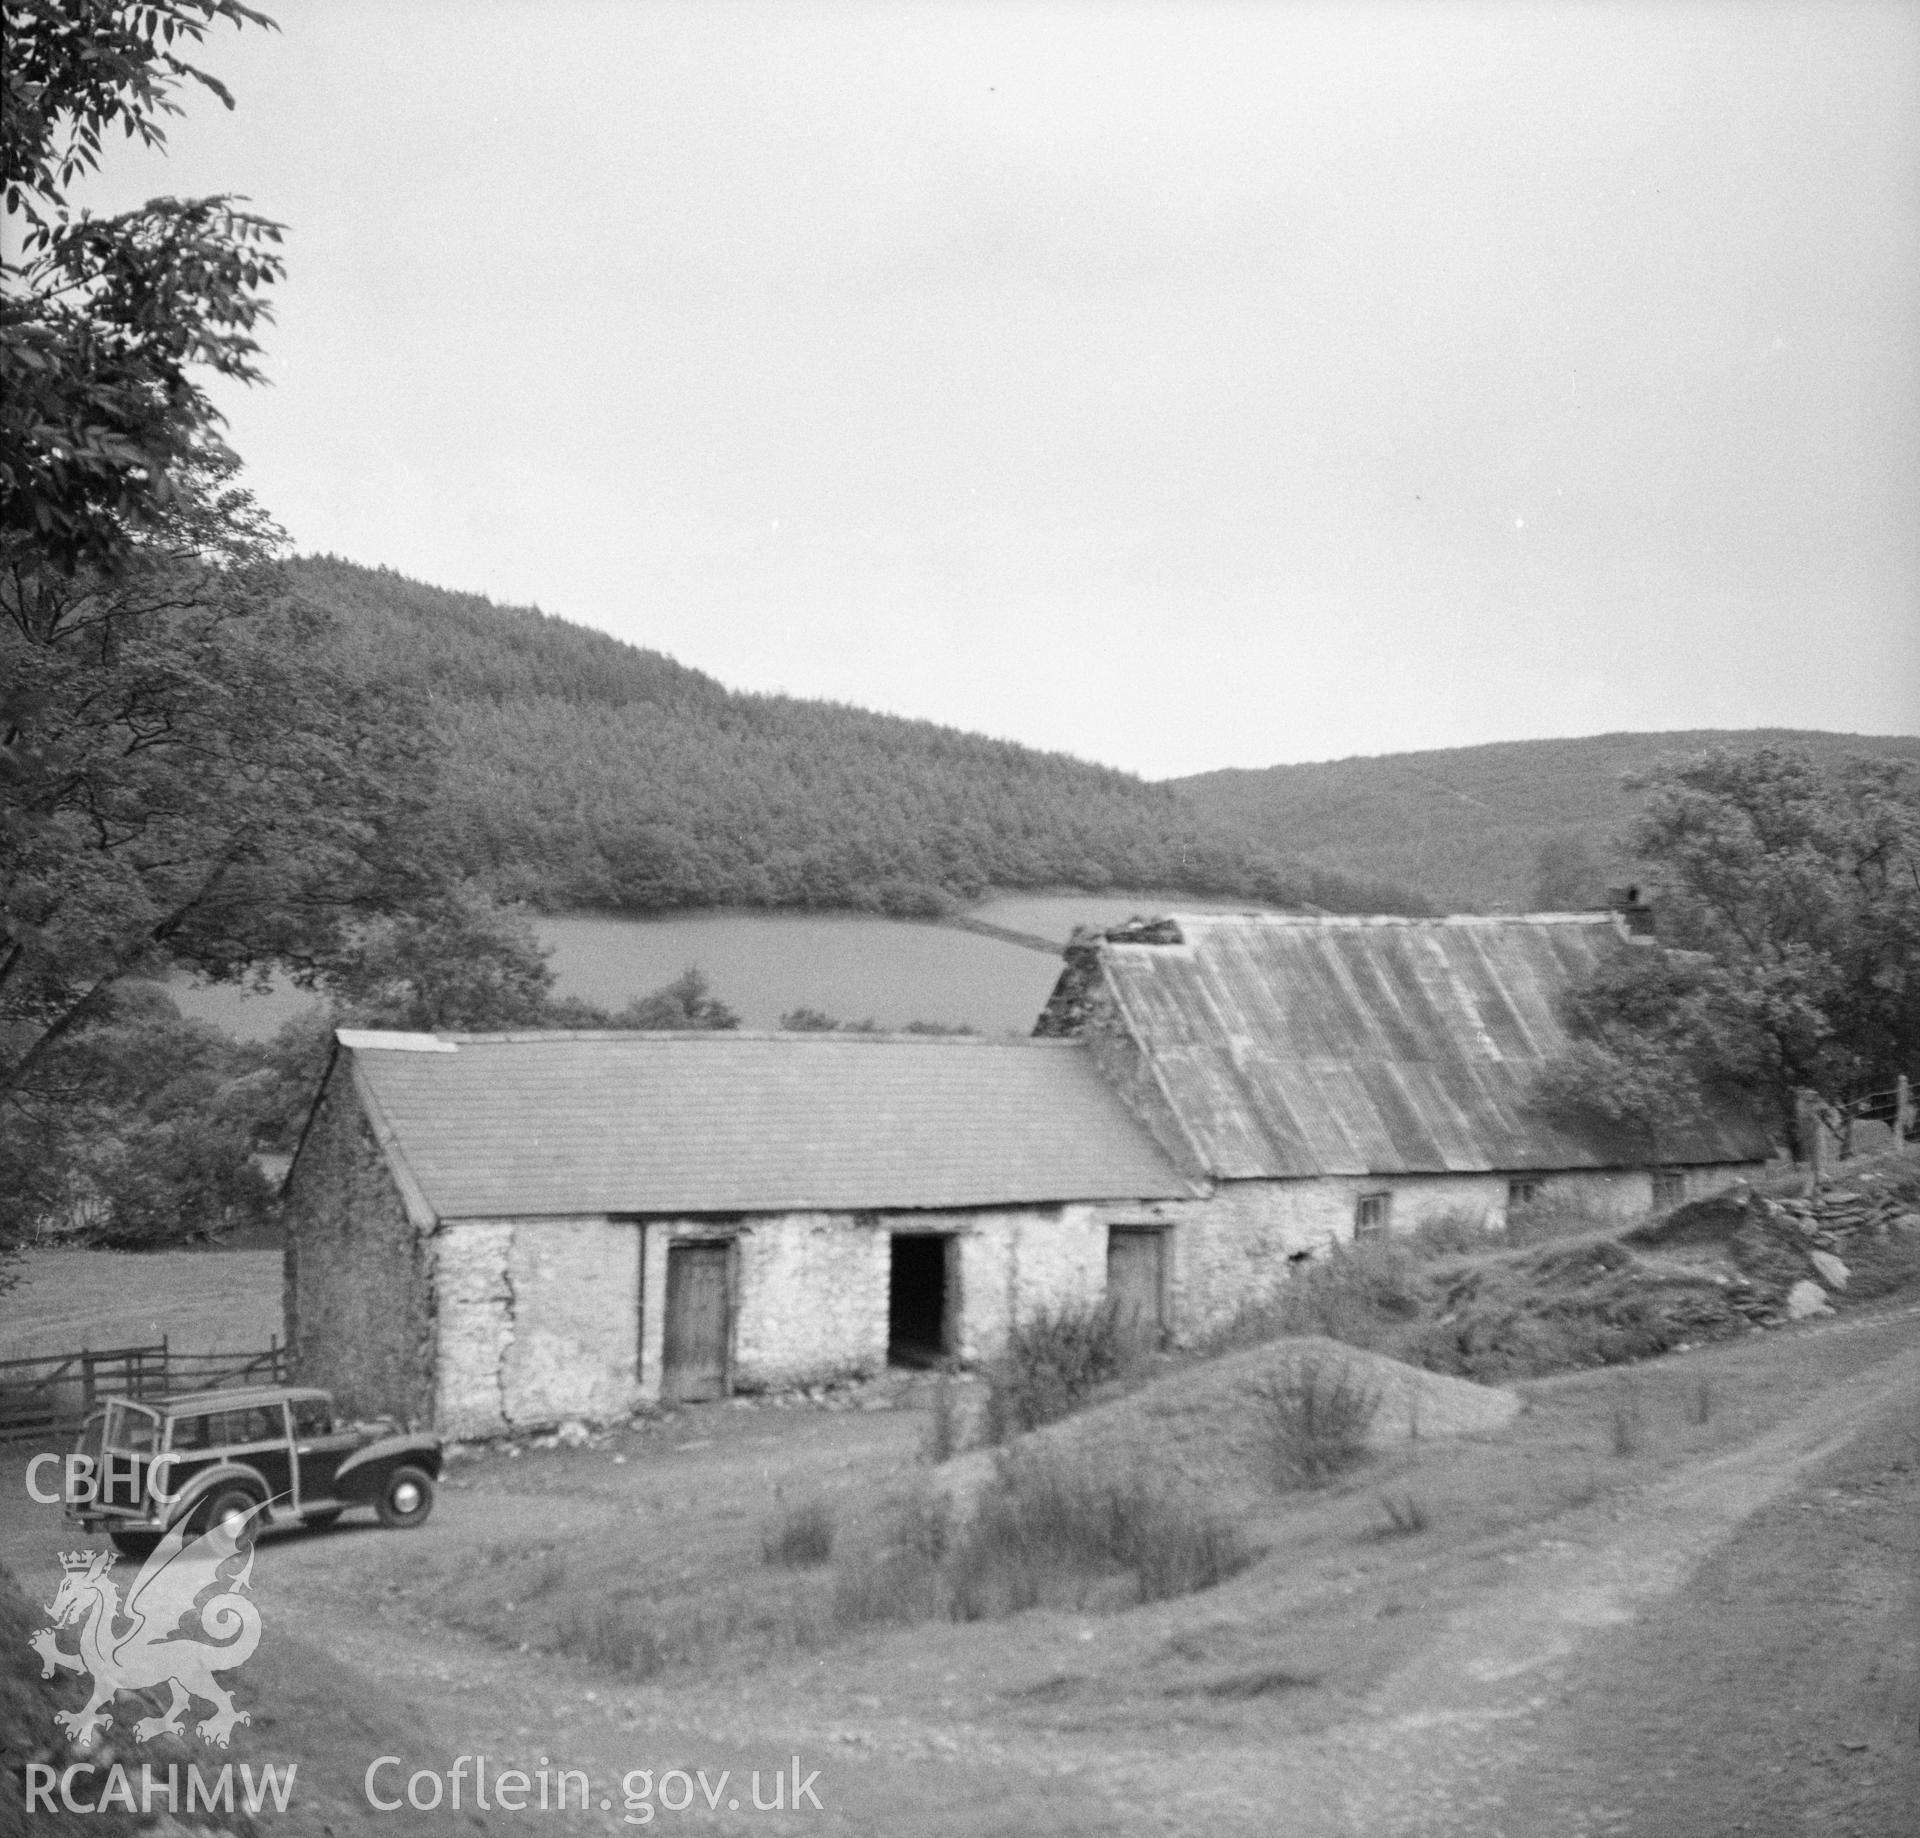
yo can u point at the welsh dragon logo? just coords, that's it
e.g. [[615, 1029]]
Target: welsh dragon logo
[[142, 1643]]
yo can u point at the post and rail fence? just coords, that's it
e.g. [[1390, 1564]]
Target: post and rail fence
[[1827, 1131], [52, 1394]]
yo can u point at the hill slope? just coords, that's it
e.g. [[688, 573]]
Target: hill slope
[[1466, 825], [584, 772]]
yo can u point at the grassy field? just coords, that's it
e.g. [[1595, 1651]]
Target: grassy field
[[200, 1301]]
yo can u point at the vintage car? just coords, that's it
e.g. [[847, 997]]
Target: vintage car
[[204, 1456]]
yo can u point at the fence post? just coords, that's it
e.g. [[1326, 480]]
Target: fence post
[[1812, 1132], [1902, 1110], [86, 1382]]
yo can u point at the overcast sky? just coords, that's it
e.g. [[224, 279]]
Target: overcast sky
[[1178, 385]]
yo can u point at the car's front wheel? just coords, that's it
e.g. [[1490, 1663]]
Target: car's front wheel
[[406, 1499]]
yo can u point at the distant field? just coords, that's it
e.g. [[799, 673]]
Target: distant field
[[200, 1301], [849, 966], [762, 964]]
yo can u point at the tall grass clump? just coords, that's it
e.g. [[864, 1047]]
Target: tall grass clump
[[1624, 1419], [903, 1581], [602, 1634], [1316, 1416], [802, 1539], [1054, 1531], [1362, 1293], [1043, 1532], [943, 1436], [1052, 1363]]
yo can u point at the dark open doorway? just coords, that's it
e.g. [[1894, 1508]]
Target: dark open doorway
[[919, 1312]]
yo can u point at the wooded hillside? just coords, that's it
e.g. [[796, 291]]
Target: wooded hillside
[[1468, 825], [585, 772]]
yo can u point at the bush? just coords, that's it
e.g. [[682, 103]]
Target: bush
[[1053, 1362], [802, 1539], [1452, 1234], [1316, 1421]]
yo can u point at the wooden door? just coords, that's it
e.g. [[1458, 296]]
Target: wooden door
[[698, 1324], [1137, 1280]]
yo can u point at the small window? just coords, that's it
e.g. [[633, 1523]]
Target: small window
[[263, 1423], [1522, 1192], [1372, 1213], [312, 1417], [200, 1432], [1669, 1188]]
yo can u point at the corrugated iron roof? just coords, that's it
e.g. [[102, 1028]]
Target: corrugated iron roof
[[1328, 1045], [525, 1125]]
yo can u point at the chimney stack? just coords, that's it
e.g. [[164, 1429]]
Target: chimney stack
[[1633, 910]]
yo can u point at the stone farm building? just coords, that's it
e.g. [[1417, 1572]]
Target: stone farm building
[[491, 1231], [1323, 1078]]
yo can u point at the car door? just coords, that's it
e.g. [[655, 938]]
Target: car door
[[318, 1448], [260, 1441]]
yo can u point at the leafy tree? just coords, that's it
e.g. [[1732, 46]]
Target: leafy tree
[[459, 962], [685, 1004], [817, 1021], [1569, 876], [187, 776], [139, 1132], [106, 323], [1789, 904]]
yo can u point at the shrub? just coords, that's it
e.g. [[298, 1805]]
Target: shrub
[[1316, 1419], [1052, 1363], [802, 1539], [1452, 1234], [1553, 1215]]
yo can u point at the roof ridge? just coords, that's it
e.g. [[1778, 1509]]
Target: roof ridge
[[804, 1037]]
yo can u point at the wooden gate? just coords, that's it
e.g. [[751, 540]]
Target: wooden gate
[[1137, 1280], [699, 1322]]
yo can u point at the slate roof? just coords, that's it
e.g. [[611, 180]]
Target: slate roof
[[524, 1125], [1291, 1045]]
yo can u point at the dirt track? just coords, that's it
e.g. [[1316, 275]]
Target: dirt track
[[1683, 1653]]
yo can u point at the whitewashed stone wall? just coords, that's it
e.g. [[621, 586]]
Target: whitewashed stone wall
[[812, 1300], [1015, 1263], [535, 1323], [1231, 1250], [810, 1295]]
